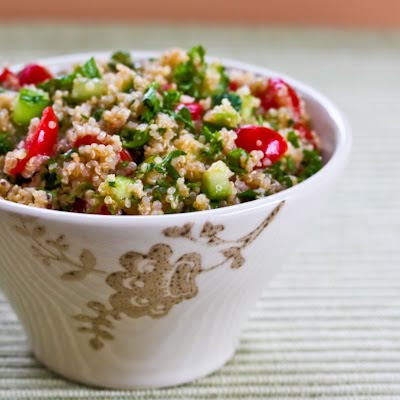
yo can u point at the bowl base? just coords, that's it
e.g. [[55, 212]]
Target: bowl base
[[157, 381]]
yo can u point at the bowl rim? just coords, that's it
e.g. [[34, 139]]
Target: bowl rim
[[336, 162]]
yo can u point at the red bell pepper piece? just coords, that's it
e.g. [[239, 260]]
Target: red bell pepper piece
[[9, 80], [42, 141], [196, 110], [125, 156], [33, 74], [280, 94], [270, 142]]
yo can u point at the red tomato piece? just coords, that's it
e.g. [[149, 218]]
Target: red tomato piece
[[196, 110], [103, 210], [270, 142], [280, 94], [167, 86], [86, 140], [33, 74], [79, 206], [9, 80], [233, 86], [42, 141], [125, 156], [306, 134]]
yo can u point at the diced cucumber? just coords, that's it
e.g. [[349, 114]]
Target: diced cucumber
[[215, 182], [84, 88], [223, 115], [118, 188], [29, 104], [249, 105]]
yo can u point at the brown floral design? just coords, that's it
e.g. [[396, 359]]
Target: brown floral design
[[55, 251], [151, 284]]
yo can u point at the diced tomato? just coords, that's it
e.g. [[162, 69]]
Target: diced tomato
[[233, 86], [270, 142], [103, 210], [9, 80], [33, 74], [42, 141], [306, 133], [196, 110], [167, 86], [86, 140], [125, 156], [280, 94], [79, 206]]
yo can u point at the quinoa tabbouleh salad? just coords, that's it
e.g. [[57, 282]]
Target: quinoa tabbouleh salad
[[166, 135]]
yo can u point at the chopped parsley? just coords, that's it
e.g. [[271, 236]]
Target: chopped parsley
[[189, 75], [89, 69], [120, 57], [151, 102], [214, 143], [98, 113], [6, 144], [312, 163], [61, 83], [233, 98], [247, 195], [293, 139], [164, 167], [133, 138], [233, 160], [281, 170], [171, 99], [184, 116]]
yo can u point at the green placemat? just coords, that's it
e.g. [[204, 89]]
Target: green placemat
[[328, 326]]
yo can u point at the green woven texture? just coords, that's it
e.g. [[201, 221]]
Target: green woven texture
[[328, 325]]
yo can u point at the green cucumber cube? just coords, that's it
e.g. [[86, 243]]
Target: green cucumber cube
[[29, 104], [84, 88], [215, 182]]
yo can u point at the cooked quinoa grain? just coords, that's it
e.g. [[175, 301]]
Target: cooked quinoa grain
[[167, 135]]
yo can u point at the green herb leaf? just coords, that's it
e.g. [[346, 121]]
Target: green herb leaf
[[233, 160], [224, 80], [247, 195], [171, 99], [189, 76], [61, 83], [166, 167], [152, 102], [98, 113], [214, 143], [89, 69], [184, 116], [281, 170], [233, 98], [133, 138], [312, 163], [293, 139], [120, 57], [6, 144]]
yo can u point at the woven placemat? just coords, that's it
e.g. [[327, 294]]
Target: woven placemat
[[328, 326]]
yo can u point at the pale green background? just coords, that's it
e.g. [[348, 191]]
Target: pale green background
[[329, 325]]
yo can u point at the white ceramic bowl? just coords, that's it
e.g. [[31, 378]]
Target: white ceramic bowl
[[149, 301]]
